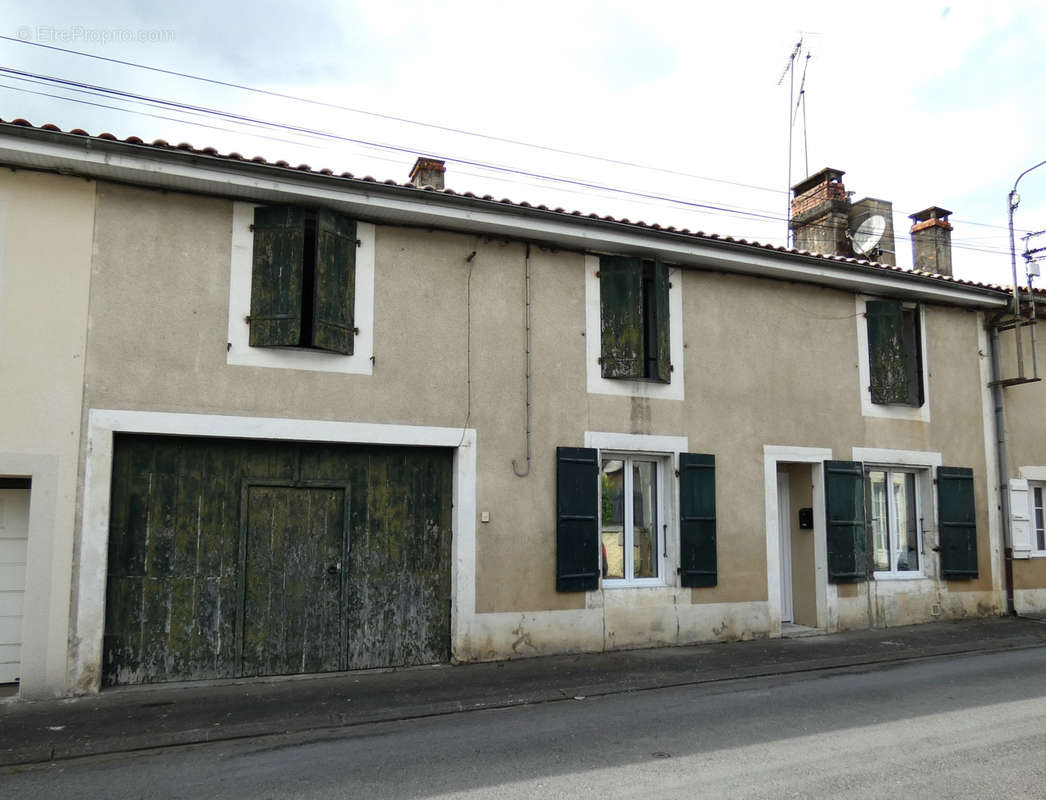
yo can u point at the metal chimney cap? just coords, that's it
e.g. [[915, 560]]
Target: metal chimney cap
[[933, 212]]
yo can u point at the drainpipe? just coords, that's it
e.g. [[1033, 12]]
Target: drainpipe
[[1004, 475]]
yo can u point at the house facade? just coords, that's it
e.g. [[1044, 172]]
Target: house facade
[[268, 420]]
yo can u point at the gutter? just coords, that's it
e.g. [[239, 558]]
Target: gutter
[[198, 172]]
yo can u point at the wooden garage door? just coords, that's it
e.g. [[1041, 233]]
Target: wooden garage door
[[236, 558]]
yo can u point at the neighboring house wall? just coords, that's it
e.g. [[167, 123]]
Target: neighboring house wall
[[46, 227], [766, 364], [1026, 456]]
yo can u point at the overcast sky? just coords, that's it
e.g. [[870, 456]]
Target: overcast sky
[[920, 103]]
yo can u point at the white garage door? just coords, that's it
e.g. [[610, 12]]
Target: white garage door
[[14, 534]]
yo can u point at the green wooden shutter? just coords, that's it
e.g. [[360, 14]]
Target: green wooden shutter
[[697, 534], [577, 520], [664, 354], [958, 522], [894, 369], [847, 537], [914, 355], [276, 276], [621, 312], [335, 287]]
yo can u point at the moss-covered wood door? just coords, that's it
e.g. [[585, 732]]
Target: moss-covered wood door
[[233, 558]]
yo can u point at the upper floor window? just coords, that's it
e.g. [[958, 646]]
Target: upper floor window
[[894, 353], [634, 319], [891, 359], [303, 279]]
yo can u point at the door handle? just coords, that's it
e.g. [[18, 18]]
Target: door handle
[[334, 569]]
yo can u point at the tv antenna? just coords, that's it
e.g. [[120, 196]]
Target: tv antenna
[[793, 112]]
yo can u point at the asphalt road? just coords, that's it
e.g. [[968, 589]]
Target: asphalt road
[[970, 727]]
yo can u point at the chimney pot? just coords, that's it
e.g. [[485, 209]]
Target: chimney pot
[[932, 240], [428, 172], [820, 209]]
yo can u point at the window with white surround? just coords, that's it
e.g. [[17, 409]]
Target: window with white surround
[[895, 520], [633, 328], [1036, 493], [314, 349], [900, 511], [632, 526], [891, 359]]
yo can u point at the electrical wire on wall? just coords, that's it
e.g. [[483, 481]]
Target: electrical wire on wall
[[468, 347], [526, 304]]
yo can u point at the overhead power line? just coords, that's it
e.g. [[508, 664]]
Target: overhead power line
[[241, 119], [391, 117]]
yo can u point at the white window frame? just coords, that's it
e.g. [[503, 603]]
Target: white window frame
[[628, 544], [1040, 487], [1035, 478], [665, 451], [870, 409], [239, 351], [891, 503], [924, 464], [596, 383]]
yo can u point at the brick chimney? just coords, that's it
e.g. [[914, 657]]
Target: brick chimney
[[932, 241], [428, 172], [885, 251], [820, 213]]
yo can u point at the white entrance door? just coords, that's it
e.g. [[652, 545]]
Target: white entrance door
[[14, 535], [784, 528]]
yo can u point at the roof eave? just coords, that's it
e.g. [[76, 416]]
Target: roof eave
[[192, 171]]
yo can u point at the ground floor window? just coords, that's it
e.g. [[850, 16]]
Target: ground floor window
[[1037, 490], [631, 530], [894, 517]]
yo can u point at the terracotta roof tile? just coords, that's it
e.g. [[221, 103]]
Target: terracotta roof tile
[[213, 153]]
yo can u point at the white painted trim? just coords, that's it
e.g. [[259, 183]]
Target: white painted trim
[[192, 172], [901, 458], [239, 351], [772, 455], [1033, 478], [667, 449], [1032, 473], [94, 534], [597, 384], [926, 463], [1021, 509], [784, 538], [870, 409], [670, 445]]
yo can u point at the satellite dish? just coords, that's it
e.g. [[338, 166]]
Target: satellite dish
[[868, 234]]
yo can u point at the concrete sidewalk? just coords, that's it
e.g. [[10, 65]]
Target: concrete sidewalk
[[141, 718]]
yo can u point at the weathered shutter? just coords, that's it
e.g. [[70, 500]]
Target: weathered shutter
[[958, 522], [892, 362], [276, 276], [621, 312], [912, 338], [577, 520], [1020, 518], [664, 355], [335, 287], [847, 536], [697, 534]]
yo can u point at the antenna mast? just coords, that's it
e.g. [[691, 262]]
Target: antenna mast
[[793, 112]]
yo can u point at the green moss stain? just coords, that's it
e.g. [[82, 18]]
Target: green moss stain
[[203, 583]]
